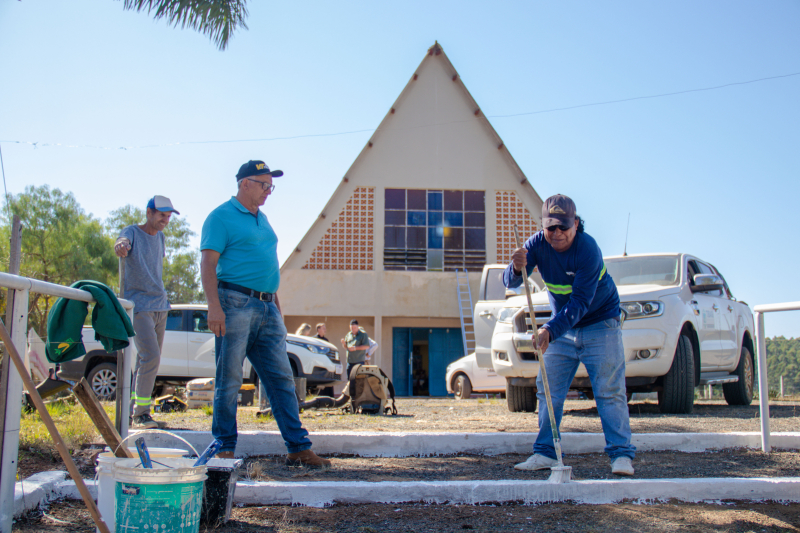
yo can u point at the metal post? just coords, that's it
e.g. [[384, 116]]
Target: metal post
[[781, 387], [119, 410], [763, 386], [12, 414], [124, 383]]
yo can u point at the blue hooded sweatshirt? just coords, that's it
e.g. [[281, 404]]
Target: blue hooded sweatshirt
[[581, 292]]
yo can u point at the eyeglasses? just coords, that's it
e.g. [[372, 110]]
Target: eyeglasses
[[264, 185], [553, 228]]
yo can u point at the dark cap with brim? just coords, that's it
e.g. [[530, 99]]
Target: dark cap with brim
[[558, 210], [256, 168]]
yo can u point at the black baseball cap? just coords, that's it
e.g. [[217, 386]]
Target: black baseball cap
[[256, 168], [354, 322], [558, 210]]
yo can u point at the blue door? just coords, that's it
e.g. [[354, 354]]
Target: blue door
[[445, 347], [423, 353], [401, 351]]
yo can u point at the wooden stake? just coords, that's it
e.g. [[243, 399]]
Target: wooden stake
[[51, 427], [83, 391]]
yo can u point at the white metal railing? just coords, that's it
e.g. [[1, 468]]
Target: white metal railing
[[761, 350], [19, 289]]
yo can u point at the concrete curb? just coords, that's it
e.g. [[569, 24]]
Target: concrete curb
[[326, 493], [385, 444], [321, 494], [36, 490]]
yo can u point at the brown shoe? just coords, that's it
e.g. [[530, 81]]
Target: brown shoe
[[307, 458], [224, 455]]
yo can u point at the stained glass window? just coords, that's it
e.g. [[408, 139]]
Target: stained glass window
[[434, 230]]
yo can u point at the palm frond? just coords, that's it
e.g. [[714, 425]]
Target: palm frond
[[216, 18]]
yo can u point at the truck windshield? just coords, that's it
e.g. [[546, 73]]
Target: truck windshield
[[658, 270]]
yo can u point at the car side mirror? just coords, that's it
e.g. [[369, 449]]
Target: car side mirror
[[706, 283]]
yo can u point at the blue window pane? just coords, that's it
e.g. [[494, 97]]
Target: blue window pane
[[434, 201], [454, 219], [434, 219], [434, 237], [416, 218]]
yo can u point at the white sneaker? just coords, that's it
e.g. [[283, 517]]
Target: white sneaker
[[537, 462], [622, 466]]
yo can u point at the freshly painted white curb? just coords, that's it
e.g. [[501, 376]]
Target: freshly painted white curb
[[326, 493], [385, 444], [319, 494], [36, 490]]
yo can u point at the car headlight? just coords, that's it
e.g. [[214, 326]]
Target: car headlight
[[313, 348], [635, 310], [506, 314]]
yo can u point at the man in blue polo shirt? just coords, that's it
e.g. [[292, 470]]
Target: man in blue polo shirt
[[240, 274], [584, 328]]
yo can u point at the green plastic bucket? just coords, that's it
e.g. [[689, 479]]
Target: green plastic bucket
[[167, 498]]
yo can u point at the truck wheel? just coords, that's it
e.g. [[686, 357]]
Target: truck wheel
[[103, 380], [677, 395], [741, 392], [521, 399], [463, 388]]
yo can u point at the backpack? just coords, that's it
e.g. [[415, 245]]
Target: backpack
[[370, 390]]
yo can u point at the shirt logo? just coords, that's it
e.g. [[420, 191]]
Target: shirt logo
[[570, 273], [556, 210]]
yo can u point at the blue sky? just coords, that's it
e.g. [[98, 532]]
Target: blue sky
[[713, 173]]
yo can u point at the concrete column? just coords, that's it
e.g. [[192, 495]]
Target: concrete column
[[378, 337]]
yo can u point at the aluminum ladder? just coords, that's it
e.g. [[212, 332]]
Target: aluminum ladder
[[465, 311]]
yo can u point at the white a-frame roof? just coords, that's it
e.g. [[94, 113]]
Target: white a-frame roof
[[434, 136]]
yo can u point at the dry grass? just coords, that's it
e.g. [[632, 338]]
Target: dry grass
[[72, 422]]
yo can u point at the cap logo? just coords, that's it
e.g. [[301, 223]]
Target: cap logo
[[260, 166], [556, 210]]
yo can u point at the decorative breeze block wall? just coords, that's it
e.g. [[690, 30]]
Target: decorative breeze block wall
[[510, 210], [347, 245]]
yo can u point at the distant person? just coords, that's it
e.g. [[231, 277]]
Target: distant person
[[584, 328], [321, 330], [304, 330], [241, 274], [356, 342], [143, 247]]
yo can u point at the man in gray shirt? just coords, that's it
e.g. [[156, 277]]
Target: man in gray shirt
[[356, 342], [144, 249]]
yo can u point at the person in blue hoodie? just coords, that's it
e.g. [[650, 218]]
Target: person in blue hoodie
[[584, 328]]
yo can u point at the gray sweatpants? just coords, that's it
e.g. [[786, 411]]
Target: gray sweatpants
[[149, 327]]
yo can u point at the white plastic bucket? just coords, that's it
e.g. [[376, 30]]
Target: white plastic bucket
[[167, 497], [105, 478]]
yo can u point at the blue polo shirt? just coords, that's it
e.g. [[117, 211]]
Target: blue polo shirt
[[247, 245]]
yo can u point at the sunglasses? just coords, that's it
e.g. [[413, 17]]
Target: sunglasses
[[264, 185], [553, 228]]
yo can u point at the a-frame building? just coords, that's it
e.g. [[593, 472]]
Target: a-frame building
[[433, 190]]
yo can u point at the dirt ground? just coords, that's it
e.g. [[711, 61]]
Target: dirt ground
[[479, 415], [488, 415], [727, 517]]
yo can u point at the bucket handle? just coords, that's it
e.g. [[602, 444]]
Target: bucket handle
[[156, 431]]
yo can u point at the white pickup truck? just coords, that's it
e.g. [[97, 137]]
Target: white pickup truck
[[682, 327], [188, 353]]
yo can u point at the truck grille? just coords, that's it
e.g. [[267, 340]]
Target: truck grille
[[541, 318]]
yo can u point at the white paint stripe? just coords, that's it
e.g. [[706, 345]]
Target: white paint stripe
[[385, 444]]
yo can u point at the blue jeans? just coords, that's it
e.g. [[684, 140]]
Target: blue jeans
[[599, 348], [254, 329]]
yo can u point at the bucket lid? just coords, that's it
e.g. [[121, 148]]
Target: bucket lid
[[171, 470]]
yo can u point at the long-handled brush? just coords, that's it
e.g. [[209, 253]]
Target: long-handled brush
[[560, 473]]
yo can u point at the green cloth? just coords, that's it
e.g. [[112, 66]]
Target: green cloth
[[111, 324]]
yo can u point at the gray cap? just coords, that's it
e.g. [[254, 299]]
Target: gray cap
[[558, 210]]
